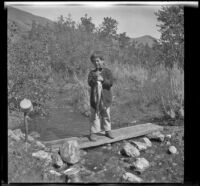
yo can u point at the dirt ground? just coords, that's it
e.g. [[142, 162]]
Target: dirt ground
[[106, 164]]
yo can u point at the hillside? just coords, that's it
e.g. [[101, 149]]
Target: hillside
[[24, 19], [147, 39]]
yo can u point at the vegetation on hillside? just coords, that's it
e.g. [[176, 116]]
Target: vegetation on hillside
[[148, 80]]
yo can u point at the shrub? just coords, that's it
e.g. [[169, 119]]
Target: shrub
[[166, 88]]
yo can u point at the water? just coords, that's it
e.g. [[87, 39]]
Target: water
[[63, 121]]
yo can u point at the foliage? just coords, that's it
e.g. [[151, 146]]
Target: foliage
[[28, 69], [87, 24], [171, 26], [108, 27]]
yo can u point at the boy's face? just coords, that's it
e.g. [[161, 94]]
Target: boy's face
[[97, 62]]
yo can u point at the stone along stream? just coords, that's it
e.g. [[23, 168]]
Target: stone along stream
[[63, 120]]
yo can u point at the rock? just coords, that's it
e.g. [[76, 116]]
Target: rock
[[19, 133], [56, 160], [34, 134], [72, 170], [30, 139], [134, 121], [72, 174], [108, 146], [169, 136], [158, 136], [74, 179], [130, 150], [55, 173], [168, 143], [141, 164], [147, 141], [181, 111], [140, 145], [172, 150], [39, 144], [12, 135], [10, 132], [131, 177], [42, 155], [64, 167], [70, 152], [83, 152]]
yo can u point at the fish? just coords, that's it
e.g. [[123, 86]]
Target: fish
[[98, 91]]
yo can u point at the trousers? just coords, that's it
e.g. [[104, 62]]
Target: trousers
[[100, 121]]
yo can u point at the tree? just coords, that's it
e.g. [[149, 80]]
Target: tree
[[171, 26], [124, 40], [108, 27], [87, 24]]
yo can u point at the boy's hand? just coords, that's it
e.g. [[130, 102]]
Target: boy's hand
[[99, 78]]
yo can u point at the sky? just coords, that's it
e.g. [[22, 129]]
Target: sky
[[136, 21]]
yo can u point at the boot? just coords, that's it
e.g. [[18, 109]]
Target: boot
[[92, 137], [109, 134]]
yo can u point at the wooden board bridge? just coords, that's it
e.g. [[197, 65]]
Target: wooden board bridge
[[119, 134]]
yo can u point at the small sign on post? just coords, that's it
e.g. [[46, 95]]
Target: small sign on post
[[26, 107]]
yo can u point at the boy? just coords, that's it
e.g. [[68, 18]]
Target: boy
[[103, 76]]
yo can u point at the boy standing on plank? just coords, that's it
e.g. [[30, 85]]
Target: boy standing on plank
[[100, 80]]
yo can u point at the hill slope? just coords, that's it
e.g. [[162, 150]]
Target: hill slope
[[146, 39], [24, 19]]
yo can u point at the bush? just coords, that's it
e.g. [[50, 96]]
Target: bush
[[166, 88], [28, 73]]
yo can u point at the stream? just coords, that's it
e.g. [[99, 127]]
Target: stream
[[62, 122]]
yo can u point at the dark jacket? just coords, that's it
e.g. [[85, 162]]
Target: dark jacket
[[106, 87]]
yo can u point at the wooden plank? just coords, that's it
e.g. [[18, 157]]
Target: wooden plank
[[119, 134]]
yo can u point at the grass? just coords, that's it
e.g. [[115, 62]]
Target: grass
[[138, 93]]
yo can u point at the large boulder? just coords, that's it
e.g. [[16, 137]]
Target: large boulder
[[130, 150], [70, 152], [141, 164], [131, 177]]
